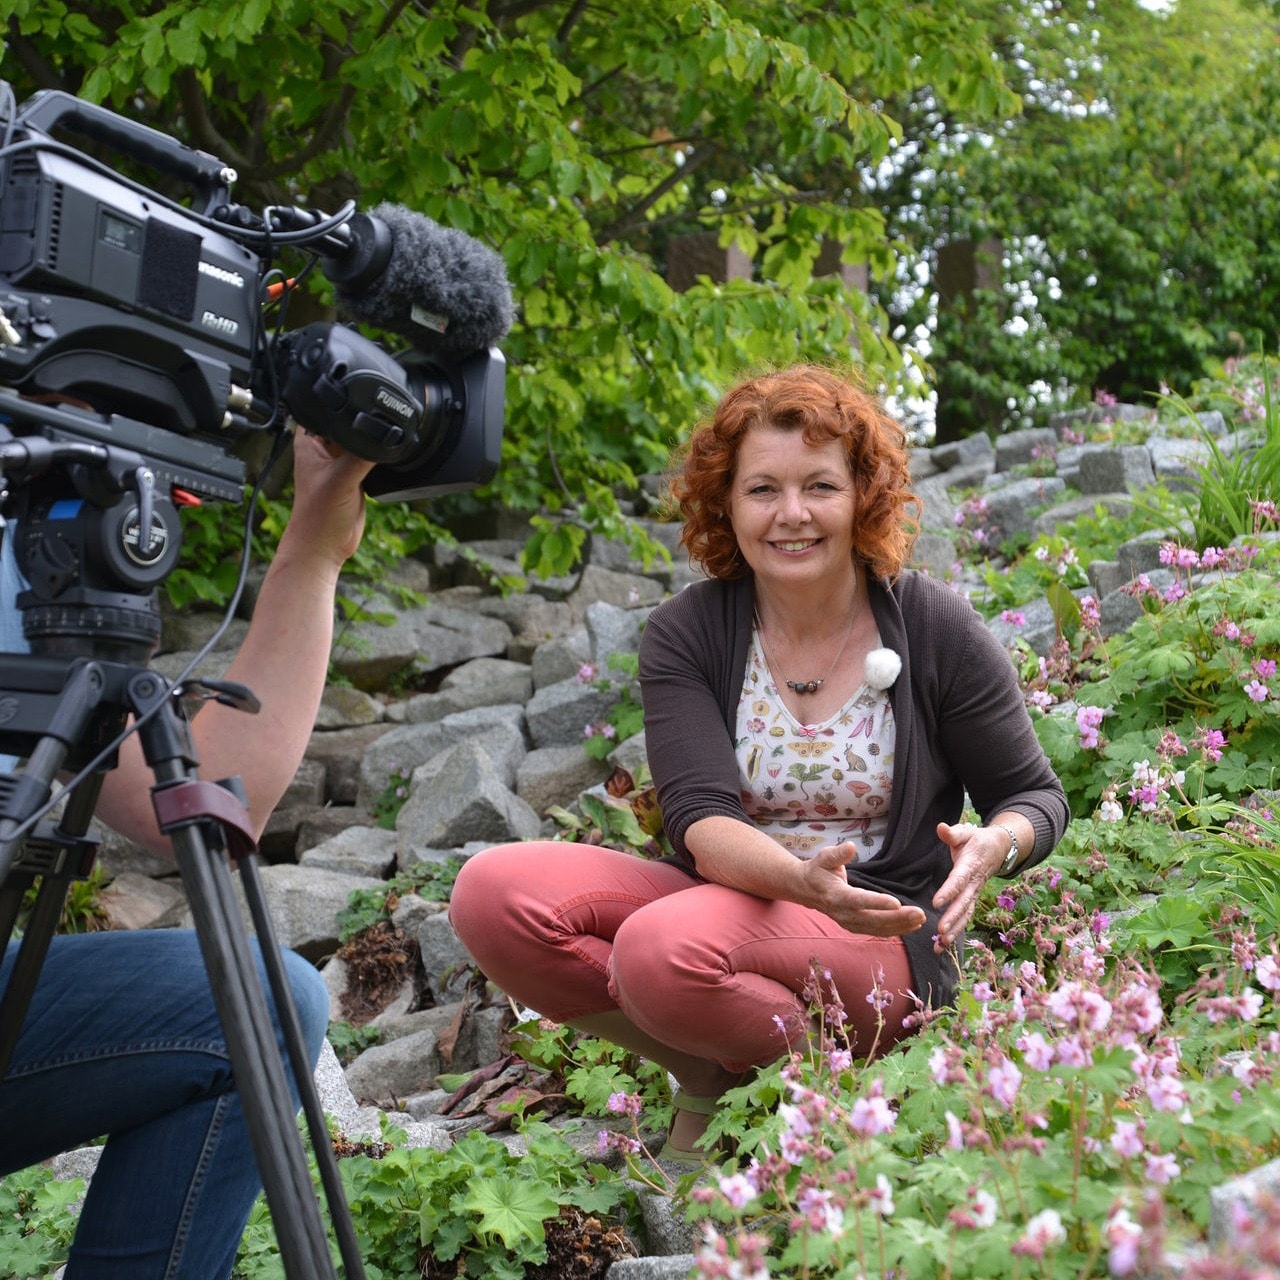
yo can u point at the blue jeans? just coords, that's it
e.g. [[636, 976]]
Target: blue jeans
[[123, 1039]]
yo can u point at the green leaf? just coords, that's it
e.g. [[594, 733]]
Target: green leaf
[[1176, 920], [511, 1207], [553, 549], [593, 1086], [185, 42]]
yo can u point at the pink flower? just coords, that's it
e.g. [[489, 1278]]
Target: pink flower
[[1126, 1139], [871, 1116], [796, 1122], [880, 1198], [839, 1060], [1110, 810], [1071, 1051], [821, 1210], [1043, 1230], [1248, 1005], [984, 1209], [1002, 1082], [1166, 1093], [1138, 1008], [1088, 721], [1075, 1005], [1211, 742], [1265, 667], [1244, 1070], [1265, 509], [1257, 691], [1036, 1050], [946, 1066], [1181, 557], [1162, 1169], [1267, 971], [1123, 1237], [955, 1132], [879, 998], [738, 1190]]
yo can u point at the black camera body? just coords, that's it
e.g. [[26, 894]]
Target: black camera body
[[142, 321]]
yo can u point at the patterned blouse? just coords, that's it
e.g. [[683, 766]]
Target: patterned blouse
[[810, 786]]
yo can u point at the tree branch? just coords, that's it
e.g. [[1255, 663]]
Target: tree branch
[[571, 20], [39, 70], [634, 216], [200, 127]]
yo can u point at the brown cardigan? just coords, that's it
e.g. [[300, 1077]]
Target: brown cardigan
[[962, 729]]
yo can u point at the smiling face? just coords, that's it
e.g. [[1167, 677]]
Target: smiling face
[[791, 507]]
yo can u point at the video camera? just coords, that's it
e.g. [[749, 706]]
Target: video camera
[[131, 320]]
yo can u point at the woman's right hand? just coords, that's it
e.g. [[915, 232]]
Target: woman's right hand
[[858, 910]]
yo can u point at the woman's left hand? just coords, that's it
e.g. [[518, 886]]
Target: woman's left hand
[[976, 855]]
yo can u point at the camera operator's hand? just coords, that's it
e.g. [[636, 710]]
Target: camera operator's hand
[[328, 504], [284, 658]]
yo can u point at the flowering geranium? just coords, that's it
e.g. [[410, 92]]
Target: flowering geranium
[[1065, 1130]]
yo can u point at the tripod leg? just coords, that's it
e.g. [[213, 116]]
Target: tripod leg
[[203, 820], [255, 1059], [326, 1161], [41, 927], [55, 856]]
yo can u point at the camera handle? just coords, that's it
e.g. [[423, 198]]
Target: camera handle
[[49, 109], [84, 700]]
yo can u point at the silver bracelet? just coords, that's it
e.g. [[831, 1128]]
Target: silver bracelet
[[1010, 863]]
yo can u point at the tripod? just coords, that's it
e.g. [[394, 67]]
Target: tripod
[[64, 707]]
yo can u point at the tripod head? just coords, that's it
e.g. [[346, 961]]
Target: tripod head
[[96, 500]]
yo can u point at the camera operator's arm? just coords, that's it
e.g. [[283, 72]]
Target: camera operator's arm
[[284, 657]]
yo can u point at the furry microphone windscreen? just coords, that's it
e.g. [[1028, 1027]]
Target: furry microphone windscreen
[[442, 289]]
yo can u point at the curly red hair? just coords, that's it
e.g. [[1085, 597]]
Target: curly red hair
[[822, 406]]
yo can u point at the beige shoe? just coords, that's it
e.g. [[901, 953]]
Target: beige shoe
[[699, 1105]]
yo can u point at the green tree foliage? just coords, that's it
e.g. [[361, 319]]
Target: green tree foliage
[[1136, 196], [576, 139]]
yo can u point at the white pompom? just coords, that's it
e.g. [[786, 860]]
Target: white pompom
[[881, 668]]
